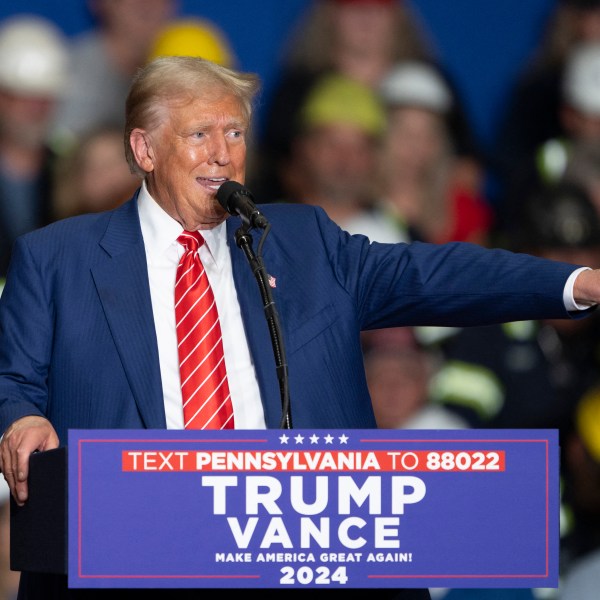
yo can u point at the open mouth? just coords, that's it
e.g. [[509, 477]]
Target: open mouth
[[211, 183]]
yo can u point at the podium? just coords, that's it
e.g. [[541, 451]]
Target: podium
[[282, 509], [38, 540]]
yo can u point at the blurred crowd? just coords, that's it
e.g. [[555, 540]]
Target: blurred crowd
[[365, 122]]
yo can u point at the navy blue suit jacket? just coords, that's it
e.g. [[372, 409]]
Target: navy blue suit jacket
[[77, 338]]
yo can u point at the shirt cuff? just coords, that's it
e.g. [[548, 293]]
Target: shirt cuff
[[568, 298]]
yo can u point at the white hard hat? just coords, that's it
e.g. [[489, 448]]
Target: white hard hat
[[581, 83], [34, 56], [417, 84]]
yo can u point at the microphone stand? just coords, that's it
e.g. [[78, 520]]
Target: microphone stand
[[243, 240]]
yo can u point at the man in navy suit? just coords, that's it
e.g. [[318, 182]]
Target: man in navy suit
[[87, 328]]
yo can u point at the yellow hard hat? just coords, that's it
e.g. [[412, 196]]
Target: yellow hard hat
[[587, 420], [193, 37], [338, 99]]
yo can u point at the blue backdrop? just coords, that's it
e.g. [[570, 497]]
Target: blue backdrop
[[483, 43]]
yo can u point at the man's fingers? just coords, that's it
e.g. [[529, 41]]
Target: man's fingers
[[10, 479], [8, 470], [21, 475], [21, 492], [17, 489], [15, 466], [22, 470], [21, 439]]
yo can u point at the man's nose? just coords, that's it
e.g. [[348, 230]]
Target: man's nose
[[219, 151]]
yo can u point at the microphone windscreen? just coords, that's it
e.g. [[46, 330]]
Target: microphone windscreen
[[226, 191]]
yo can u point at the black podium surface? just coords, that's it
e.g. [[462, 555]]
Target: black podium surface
[[38, 540]]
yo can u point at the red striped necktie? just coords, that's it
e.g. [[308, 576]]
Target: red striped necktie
[[204, 387]]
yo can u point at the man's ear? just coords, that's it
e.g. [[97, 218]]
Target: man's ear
[[142, 149]]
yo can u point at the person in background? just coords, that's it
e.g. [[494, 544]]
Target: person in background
[[103, 60], [399, 370], [361, 39], [580, 575], [533, 110], [580, 545], [579, 114], [94, 296], [583, 167], [333, 160], [423, 186], [94, 176], [34, 63]]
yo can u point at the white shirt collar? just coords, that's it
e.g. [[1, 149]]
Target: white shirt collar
[[160, 231]]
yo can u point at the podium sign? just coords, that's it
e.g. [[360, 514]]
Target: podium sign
[[313, 508]]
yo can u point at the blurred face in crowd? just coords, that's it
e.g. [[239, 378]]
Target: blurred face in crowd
[[363, 36], [415, 139], [140, 19], [199, 143], [338, 161], [364, 25], [398, 380], [588, 24], [24, 120], [594, 191], [581, 126], [105, 178]]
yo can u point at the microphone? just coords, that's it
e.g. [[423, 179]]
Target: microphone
[[238, 201]]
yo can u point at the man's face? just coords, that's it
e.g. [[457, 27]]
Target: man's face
[[24, 120], [199, 144], [339, 161]]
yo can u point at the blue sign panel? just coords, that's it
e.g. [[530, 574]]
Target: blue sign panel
[[313, 508]]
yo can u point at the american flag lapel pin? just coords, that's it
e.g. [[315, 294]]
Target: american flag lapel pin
[[272, 281]]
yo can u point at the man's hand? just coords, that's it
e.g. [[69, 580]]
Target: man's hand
[[586, 290], [24, 436]]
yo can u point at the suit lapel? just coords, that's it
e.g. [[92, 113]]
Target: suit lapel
[[257, 331], [122, 283]]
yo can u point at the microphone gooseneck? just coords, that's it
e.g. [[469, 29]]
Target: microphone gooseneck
[[238, 201]]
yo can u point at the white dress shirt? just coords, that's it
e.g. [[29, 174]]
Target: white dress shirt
[[160, 233]]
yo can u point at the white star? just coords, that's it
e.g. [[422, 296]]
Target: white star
[[343, 439], [329, 439], [299, 439], [314, 438], [283, 439]]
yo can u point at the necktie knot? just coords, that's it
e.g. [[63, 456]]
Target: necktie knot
[[191, 240]]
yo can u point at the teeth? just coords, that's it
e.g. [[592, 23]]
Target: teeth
[[214, 183]]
